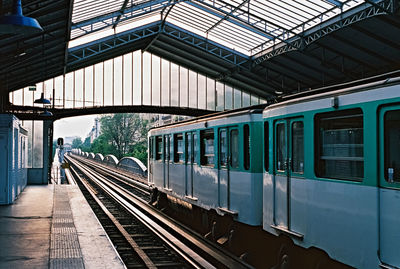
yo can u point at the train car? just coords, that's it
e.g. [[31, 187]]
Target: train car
[[332, 174], [212, 162]]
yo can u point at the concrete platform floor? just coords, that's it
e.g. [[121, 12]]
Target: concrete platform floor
[[52, 226]]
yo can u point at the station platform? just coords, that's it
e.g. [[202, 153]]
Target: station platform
[[52, 226]]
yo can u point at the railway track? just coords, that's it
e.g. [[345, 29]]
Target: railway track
[[144, 237], [133, 184]]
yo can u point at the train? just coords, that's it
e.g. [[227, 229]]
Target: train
[[318, 171]]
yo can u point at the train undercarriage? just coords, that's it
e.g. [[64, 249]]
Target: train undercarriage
[[251, 243]]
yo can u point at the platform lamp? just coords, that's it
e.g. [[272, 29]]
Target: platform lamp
[[44, 101], [46, 113], [17, 23]]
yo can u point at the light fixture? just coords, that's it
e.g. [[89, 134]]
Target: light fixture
[[16, 23], [46, 113], [42, 100]]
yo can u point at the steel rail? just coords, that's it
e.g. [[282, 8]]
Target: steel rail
[[191, 257], [211, 250], [143, 256], [135, 181]]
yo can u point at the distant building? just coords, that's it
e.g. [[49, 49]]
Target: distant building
[[69, 139], [95, 132]]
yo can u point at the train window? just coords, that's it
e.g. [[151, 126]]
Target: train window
[[171, 149], [167, 141], [298, 147], [188, 147], [194, 148], [178, 148], [266, 146], [223, 148], [340, 145], [207, 147], [246, 146], [151, 154], [392, 137], [235, 149], [159, 147], [281, 147]]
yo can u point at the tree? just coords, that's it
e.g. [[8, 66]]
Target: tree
[[139, 151], [123, 131], [76, 143], [85, 146], [101, 145]]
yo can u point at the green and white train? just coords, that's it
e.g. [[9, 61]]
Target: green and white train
[[321, 171], [212, 162]]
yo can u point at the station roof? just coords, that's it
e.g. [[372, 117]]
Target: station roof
[[267, 47]]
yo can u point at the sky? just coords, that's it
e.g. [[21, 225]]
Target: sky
[[74, 126]]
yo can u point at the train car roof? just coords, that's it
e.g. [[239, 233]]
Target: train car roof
[[256, 109], [337, 90]]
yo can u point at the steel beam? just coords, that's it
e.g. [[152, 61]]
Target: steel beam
[[82, 28], [93, 49], [227, 16], [334, 2], [355, 15], [33, 113], [205, 44], [257, 22], [222, 14], [122, 11]]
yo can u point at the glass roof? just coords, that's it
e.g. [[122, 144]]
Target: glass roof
[[248, 26]]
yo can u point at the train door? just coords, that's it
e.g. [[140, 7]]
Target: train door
[[289, 162], [389, 183], [190, 149], [167, 158], [150, 159], [228, 150]]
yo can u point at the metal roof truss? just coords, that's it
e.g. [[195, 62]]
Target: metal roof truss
[[299, 43]]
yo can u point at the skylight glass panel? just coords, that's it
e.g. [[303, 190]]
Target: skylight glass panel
[[85, 10], [137, 22], [242, 36], [195, 16], [195, 13], [248, 26]]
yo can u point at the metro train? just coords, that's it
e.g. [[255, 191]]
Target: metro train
[[320, 171]]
